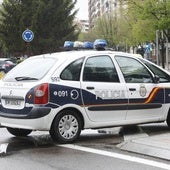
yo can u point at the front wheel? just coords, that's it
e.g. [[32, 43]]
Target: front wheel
[[66, 127], [19, 132]]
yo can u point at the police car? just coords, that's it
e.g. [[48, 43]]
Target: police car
[[66, 92]]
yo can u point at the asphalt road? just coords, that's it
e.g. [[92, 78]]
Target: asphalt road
[[93, 151]]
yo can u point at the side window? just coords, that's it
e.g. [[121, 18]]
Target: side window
[[72, 71], [100, 69], [133, 70], [164, 78]]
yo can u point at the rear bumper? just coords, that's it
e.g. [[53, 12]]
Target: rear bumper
[[39, 121], [31, 124], [35, 112]]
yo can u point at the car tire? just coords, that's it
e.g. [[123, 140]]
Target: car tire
[[19, 132], [66, 127]]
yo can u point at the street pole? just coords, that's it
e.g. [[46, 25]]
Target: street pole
[[28, 49], [162, 49], [157, 47], [167, 52]]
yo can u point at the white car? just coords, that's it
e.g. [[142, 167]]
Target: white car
[[66, 92]]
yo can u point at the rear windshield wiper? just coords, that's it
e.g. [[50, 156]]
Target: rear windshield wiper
[[25, 78]]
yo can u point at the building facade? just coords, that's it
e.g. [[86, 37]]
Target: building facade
[[98, 8], [83, 25]]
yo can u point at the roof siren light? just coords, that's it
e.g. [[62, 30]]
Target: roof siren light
[[88, 45], [78, 44], [100, 44], [68, 44]]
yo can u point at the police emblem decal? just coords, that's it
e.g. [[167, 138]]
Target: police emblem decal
[[142, 91]]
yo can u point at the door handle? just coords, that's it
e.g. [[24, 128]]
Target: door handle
[[132, 89], [90, 88]]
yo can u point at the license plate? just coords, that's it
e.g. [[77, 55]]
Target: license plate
[[13, 102]]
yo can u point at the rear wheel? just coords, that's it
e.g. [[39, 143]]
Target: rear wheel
[[19, 132], [66, 127]]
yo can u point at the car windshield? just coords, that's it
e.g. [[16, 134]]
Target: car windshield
[[30, 70]]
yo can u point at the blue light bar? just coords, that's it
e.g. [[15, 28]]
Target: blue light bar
[[99, 44]]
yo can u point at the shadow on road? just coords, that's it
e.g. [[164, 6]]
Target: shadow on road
[[108, 138]]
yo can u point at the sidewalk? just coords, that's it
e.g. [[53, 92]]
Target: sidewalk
[[156, 146], [138, 141]]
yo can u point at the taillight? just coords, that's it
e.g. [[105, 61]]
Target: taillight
[[41, 94]]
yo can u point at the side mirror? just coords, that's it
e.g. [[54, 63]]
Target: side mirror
[[156, 79]]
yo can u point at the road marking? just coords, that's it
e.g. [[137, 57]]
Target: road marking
[[118, 156]]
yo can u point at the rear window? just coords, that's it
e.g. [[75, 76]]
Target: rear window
[[31, 69]]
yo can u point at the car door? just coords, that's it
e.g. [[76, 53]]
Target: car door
[[146, 98], [105, 99]]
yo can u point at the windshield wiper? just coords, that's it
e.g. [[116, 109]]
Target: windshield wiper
[[25, 78]]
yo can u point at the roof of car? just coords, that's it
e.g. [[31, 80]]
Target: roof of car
[[82, 53]]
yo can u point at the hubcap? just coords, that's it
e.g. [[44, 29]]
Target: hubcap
[[68, 126]]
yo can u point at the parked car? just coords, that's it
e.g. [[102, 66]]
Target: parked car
[[6, 65], [66, 92]]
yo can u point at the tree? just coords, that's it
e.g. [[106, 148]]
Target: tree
[[152, 15], [53, 25], [155, 11], [10, 31], [114, 28], [50, 20]]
